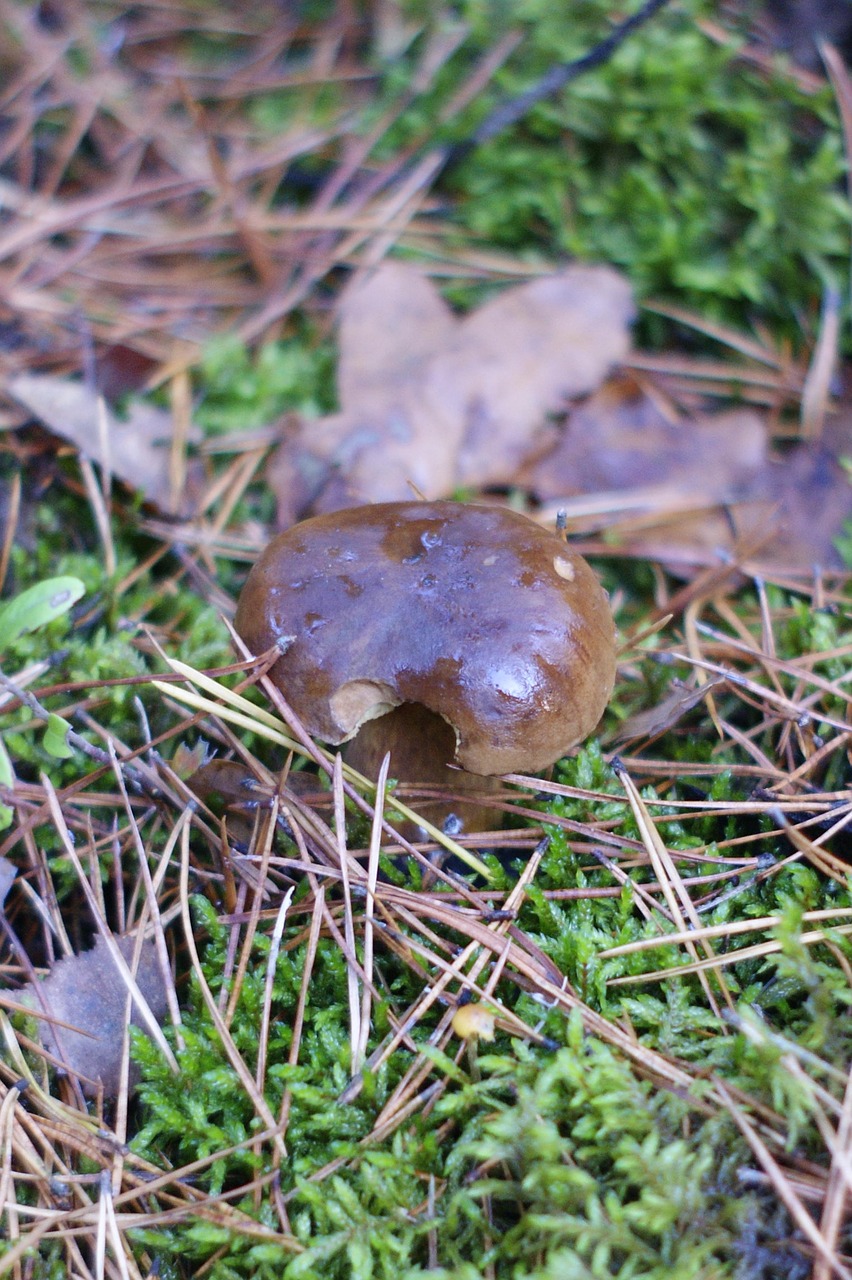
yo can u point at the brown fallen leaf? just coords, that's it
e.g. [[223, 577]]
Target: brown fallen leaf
[[672, 707], [523, 356], [430, 402], [789, 520], [138, 445], [810, 493], [8, 871], [230, 788], [390, 324], [701, 490], [625, 438], [88, 992]]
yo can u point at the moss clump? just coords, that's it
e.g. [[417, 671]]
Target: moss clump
[[711, 182]]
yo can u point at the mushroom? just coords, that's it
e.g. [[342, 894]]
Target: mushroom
[[442, 631]]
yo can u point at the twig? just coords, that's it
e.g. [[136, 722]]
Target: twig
[[41, 713], [511, 111]]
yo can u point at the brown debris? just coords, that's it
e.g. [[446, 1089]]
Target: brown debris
[[88, 992], [136, 448], [676, 703], [431, 402], [623, 437], [697, 489]]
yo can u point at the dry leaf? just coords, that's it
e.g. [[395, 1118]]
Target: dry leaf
[[623, 438], [658, 719], [430, 402], [391, 323], [138, 445], [810, 494], [8, 871], [523, 356], [702, 489], [88, 992], [787, 521]]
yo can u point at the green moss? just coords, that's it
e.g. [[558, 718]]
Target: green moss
[[566, 1159], [242, 389], [710, 182]]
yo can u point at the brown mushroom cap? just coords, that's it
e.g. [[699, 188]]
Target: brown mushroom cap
[[474, 612]]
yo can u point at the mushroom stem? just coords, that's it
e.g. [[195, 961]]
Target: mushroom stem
[[420, 745]]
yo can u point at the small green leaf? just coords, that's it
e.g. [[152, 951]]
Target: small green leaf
[[37, 606], [56, 737], [7, 778]]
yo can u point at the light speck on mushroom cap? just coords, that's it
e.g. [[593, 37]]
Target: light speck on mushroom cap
[[475, 612]]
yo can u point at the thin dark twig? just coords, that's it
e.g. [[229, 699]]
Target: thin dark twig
[[511, 111], [133, 775]]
